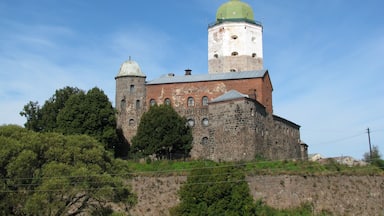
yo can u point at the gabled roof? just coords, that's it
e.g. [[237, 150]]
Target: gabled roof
[[230, 95], [208, 77]]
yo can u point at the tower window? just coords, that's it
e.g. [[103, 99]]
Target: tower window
[[216, 56], [191, 122], [205, 122], [167, 101], [137, 104], [131, 122], [253, 55], [234, 37], [204, 101], [152, 102], [204, 141], [235, 54], [122, 104], [191, 102], [132, 88]]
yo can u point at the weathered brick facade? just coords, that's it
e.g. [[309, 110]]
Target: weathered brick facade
[[230, 109]]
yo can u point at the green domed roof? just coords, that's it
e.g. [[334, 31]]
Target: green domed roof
[[235, 10]]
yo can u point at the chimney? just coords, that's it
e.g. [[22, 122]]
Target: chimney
[[188, 72]]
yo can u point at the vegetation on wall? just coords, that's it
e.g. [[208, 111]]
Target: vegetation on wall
[[162, 132], [54, 174]]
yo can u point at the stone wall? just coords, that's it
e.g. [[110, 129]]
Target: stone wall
[[341, 195]]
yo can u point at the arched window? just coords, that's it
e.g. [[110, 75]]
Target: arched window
[[191, 102], [152, 102], [131, 122], [204, 141], [132, 88], [123, 104], [167, 101], [191, 122], [204, 101], [137, 104], [205, 122]]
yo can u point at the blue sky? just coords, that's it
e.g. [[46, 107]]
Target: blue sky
[[325, 57]]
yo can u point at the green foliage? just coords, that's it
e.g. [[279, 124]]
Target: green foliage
[[376, 159], [72, 111], [216, 191], [52, 174], [162, 131]]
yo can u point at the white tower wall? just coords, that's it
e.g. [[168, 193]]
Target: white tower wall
[[235, 46]]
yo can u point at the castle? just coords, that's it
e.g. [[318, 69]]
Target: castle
[[230, 108]]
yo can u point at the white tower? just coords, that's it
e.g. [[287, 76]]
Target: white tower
[[235, 40]]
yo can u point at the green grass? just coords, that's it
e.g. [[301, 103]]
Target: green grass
[[256, 167]]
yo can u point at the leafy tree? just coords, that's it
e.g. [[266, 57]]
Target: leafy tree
[[32, 112], [216, 191], [162, 131], [44, 118], [376, 157], [54, 174], [72, 111], [91, 114], [54, 105]]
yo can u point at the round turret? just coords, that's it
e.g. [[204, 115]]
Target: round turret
[[235, 10], [130, 68]]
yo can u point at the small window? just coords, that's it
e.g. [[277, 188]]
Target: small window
[[131, 122], [253, 55], [204, 101], [216, 56], [191, 102], [234, 37], [204, 141], [233, 70], [167, 101], [132, 88], [137, 104], [152, 102], [235, 54], [123, 104], [191, 122], [205, 122]]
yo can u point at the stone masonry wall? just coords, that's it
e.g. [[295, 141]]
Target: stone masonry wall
[[339, 194]]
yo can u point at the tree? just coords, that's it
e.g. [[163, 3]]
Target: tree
[[216, 191], [90, 114], [54, 174], [162, 131], [44, 118], [32, 112], [72, 111], [376, 157]]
